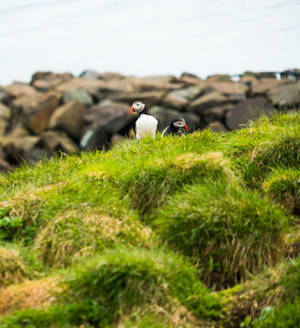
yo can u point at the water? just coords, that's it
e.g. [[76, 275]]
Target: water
[[148, 37]]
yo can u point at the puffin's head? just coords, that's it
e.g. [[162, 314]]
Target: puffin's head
[[180, 123], [137, 106]]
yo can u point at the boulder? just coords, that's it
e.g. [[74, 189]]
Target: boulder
[[4, 112], [19, 149], [58, 141], [216, 126], [18, 89], [149, 98], [109, 116], [216, 113], [157, 82], [285, 95], [165, 115], [248, 110], [17, 130], [89, 85], [234, 90], [179, 99], [79, 95], [90, 75], [37, 109], [69, 118], [95, 138], [219, 77], [5, 166], [189, 78], [45, 81], [3, 95], [112, 76], [209, 100], [266, 75], [265, 85], [3, 126]]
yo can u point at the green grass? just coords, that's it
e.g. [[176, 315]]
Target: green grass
[[137, 235]]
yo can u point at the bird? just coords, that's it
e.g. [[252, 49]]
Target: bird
[[145, 125], [175, 127]]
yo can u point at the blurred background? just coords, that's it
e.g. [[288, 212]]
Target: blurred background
[[148, 37], [70, 69]]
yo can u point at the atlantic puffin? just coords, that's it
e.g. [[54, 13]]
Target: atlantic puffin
[[175, 127], [145, 125]]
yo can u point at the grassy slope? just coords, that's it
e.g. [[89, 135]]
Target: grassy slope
[[175, 231]]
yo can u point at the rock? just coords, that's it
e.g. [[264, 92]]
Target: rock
[[3, 126], [234, 90], [219, 77], [89, 85], [79, 95], [5, 166], [17, 130], [19, 149], [149, 98], [291, 74], [266, 75], [109, 116], [37, 109], [189, 78], [216, 113], [4, 112], [3, 95], [179, 99], [90, 75], [44, 81], [166, 115], [18, 89], [265, 85], [216, 126], [149, 83], [95, 138], [248, 110], [69, 118], [209, 100], [112, 76], [58, 141], [285, 95]]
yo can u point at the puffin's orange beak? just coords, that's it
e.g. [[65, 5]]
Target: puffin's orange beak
[[186, 127], [131, 110]]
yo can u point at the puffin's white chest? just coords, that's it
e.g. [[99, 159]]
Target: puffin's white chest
[[146, 125]]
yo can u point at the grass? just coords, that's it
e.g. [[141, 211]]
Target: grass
[[184, 231]]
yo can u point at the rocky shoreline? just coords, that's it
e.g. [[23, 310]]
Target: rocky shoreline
[[63, 113]]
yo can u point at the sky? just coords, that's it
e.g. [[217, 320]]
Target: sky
[[142, 37]]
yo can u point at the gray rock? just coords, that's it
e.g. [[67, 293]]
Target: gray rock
[[3, 126], [36, 110], [4, 112], [58, 141], [109, 116], [179, 99], [45, 81], [285, 95], [78, 94], [90, 75], [216, 113], [166, 115], [216, 126], [69, 118], [248, 110], [209, 100]]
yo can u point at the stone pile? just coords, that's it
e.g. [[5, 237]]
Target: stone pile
[[60, 112]]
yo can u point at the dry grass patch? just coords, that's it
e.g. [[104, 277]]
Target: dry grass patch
[[80, 233], [30, 294], [12, 268]]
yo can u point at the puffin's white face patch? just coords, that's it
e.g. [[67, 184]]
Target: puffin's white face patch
[[138, 106], [179, 124]]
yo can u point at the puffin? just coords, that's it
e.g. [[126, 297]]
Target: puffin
[[145, 125], [175, 127]]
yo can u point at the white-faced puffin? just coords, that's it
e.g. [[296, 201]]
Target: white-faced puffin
[[175, 127], [145, 125]]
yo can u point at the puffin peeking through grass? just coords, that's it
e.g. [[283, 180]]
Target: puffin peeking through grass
[[175, 127], [145, 125]]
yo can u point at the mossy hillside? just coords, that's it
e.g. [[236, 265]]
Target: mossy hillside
[[226, 231], [125, 282], [111, 201], [283, 186]]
